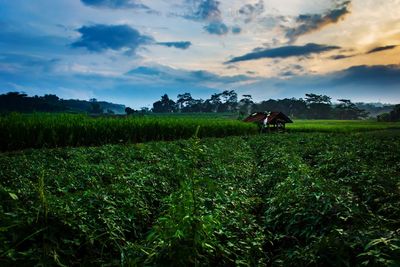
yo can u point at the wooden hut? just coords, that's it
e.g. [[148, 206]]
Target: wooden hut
[[269, 120]]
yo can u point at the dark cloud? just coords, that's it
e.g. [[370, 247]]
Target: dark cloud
[[166, 75], [307, 23], [249, 11], [115, 4], [17, 63], [359, 83], [203, 10], [217, 28], [180, 45], [209, 11], [285, 52], [339, 57], [99, 37], [375, 75], [292, 70], [381, 48], [236, 30]]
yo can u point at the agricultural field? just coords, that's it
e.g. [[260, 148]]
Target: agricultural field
[[20, 131], [290, 199], [340, 125]]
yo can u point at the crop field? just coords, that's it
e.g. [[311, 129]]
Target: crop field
[[292, 199], [340, 125], [59, 130], [41, 130]]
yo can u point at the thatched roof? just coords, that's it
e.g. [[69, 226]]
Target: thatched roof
[[271, 117]]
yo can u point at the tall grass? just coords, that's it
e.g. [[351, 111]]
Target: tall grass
[[48, 130], [340, 125]]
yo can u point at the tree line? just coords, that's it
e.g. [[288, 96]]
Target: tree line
[[21, 102], [313, 106]]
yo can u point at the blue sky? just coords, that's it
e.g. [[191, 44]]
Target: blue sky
[[132, 52]]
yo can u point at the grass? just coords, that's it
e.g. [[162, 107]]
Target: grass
[[340, 125], [58, 130], [295, 199]]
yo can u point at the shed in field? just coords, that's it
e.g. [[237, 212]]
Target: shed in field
[[275, 120]]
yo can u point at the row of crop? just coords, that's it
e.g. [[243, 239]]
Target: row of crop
[[340, 126], [288, 200], [46, 130]]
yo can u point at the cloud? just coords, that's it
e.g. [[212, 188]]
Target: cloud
[[374, 75], [307, 23], [217, 28], [339, 57], [208, 11], [250, 12], [381, 48], [97, 38], [179, 45], [236, 30], [165, 74], [115, 4], [285, 52], [292, 70], [360, 83], [203, 10]]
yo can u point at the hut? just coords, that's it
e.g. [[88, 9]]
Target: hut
[[269, 120]]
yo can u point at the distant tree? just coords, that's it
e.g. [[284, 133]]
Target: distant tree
[[144, 110], [165, 105], [129, 111], [384, 117], [197, 105], [319, 106], [184, 102], [229, 101], [95, 107], [393, 115], [246, 104], [346, 110], [51, 98], [212, 104]]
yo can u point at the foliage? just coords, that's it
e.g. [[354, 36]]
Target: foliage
[[346, 110], [296, 199], [20, 102], [339, 126], [45, 130], [393, 115]]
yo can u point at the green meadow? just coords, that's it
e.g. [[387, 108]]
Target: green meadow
[[325, 193], [340, 125]]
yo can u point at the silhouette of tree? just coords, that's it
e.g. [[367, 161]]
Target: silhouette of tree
[[319, 106], [346, 110], [165, 105]]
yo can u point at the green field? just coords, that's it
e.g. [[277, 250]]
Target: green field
[[294, 199], [42, 130], [59, 130], [340, 125]]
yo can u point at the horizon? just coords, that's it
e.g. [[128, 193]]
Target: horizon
[[149, 105], [132, 52]]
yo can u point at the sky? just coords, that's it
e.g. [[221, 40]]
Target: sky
[[131, 52]]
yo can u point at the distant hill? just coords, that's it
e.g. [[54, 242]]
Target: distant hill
[[20, 102]]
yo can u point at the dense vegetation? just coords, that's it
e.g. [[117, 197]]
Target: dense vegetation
[[340, 126], [295, 199], [57, 130], [20, 102], [313, 106], [393, 115]]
